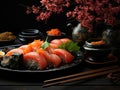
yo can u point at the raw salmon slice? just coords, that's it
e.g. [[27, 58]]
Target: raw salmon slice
[[53, 59], [64, 40], [65, 55], [37, 58], [16, 50], [36, 44], [58, 42]]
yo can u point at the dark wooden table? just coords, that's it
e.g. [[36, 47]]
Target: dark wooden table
[[16, 81]]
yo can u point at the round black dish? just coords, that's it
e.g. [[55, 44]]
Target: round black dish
[[50, 38], [30, 32], [28, 35], [96, 52], [88, 43]]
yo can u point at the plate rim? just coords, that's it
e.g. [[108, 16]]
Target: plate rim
[[67, 66]]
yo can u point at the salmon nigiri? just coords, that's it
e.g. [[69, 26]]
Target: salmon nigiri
[[65, 55], [36, 44], [34, 60], [23, 47], [56, 41], [64, 40], [53, 45], [43, 52], [53, 59]]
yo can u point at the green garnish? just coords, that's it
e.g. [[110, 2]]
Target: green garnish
[[70, 46], [45, 44]]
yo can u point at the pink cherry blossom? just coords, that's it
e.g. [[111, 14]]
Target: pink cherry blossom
[[88, 12]]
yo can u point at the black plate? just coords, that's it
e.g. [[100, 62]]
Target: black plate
[[78, 60]]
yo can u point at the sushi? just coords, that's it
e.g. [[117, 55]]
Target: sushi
[[52, 59], [15, 61], [56, 41], [33, 60], [55, 60], [65, 55], [16, 50], [26, 48], [59, 42], [34, 57], [36, 44], [64, 40]]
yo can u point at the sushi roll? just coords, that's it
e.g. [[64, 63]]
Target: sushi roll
[[15, 61]]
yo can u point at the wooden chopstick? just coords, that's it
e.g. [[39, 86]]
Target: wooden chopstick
[[82, 75]]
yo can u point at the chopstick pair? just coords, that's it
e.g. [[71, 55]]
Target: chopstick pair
[[81, 75]]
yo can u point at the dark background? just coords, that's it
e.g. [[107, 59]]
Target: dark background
[[14, 18]]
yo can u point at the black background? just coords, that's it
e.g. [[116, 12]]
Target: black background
[[14, 18]]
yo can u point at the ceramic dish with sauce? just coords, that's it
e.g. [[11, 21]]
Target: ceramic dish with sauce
[[96, 49]]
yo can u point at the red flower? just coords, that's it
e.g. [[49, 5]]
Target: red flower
[[85, 11]]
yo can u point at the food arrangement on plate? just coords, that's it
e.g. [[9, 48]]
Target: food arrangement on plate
[[42, 55]]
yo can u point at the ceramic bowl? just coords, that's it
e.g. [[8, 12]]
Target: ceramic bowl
[[50, 38], [88, 43], [28, 35], [96, 52], [30, 32]]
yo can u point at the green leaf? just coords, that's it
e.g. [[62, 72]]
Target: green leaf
[[70, 46], [45, 44]]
